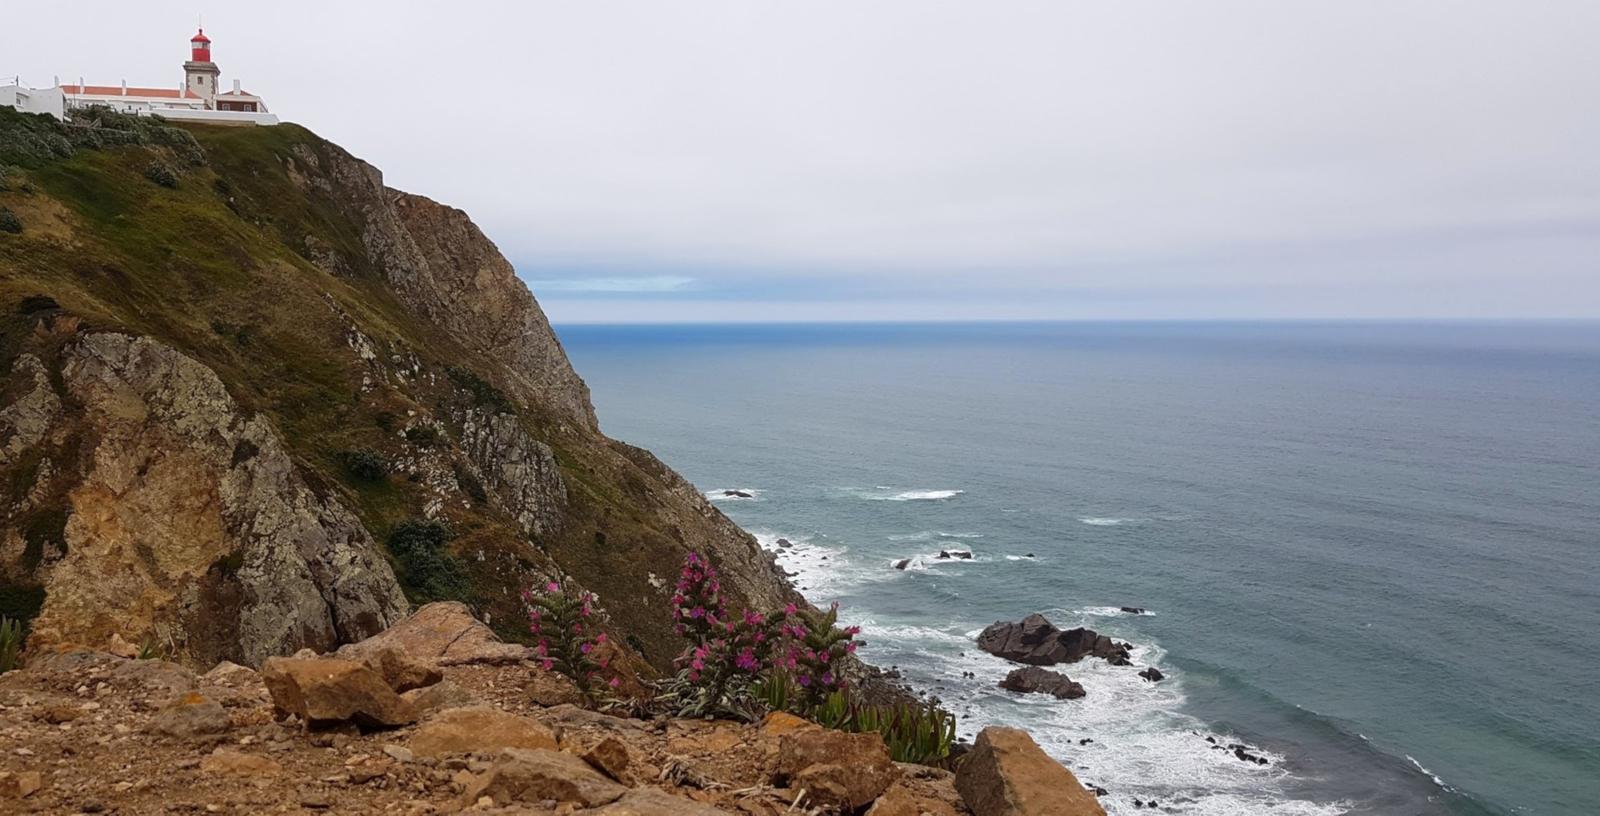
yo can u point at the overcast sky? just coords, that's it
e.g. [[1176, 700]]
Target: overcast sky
[[869, 159]]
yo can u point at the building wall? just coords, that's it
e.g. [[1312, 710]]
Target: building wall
[[34, 100]]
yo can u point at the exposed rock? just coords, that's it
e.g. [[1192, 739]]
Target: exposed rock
[[439, 697], [28, 419], [652, 802], [190, 717], [229, 762], [398, 669], [609, 756], [839, 770], [1007, 774], [154, 679], [902, 563], [520, 471], [1152, 674], [478, 729], [20, 784], [1037, 642], [742, 494], [443, 634], [177, 479], [899, 800], [531, 776], [325, 691], [1042, 681], [1134, 610], [959, 554]]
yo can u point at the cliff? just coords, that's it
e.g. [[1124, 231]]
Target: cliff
[[255, 400]]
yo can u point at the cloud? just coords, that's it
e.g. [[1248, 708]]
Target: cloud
[[1011, 157]]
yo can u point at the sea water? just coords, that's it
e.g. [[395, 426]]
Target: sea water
[[1368, 550]]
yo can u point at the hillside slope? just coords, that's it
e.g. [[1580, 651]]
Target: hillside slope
[[255, 400]]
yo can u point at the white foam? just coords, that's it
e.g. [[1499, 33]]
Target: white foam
[[823, 570], [721, 494], [1111, 612], [1428, 773], [1108, 521], [915, 495]]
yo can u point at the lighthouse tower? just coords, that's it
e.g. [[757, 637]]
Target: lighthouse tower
[[200, 73]]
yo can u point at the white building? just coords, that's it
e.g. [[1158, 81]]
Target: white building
[[198, 99]]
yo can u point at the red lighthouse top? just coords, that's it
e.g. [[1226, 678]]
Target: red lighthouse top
[[200, 47]]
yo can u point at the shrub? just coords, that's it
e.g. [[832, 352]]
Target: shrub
[[819, 651], [423, 436], [9, 222], [484, 395], [10, 644], [161, 173], [365, 465], [429, 570], [569, 637]]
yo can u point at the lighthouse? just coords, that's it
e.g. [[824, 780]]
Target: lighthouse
[[200, 73]]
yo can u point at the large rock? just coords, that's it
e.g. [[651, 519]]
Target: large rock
[[1038, 642], [440, 696], [191, 716], [326, 691], [838, 770], [531, 776], [399, 670], [187, 519], [442, 634], [1034, 680], [478, 730], [1007, 774]]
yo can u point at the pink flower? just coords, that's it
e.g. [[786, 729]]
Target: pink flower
[[616, 682]]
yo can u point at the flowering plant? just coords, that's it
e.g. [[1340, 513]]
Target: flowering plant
[[726, 653], [818, 653], [570, 640]]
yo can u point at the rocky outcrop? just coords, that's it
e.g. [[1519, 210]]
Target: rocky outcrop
[[1038, 642], [188, 523], [1034, 680], [1152, 674], [1007, 774], [520, 470]]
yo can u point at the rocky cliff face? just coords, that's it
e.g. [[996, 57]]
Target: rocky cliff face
[[277, 405]]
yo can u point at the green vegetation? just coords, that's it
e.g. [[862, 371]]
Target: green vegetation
[[9, 222], [423, 436], [161, 173], [429, 571], [365, 465]]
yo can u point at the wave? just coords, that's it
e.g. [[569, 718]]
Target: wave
[[1106, 521], [734, 494], [915, 495], [1428, 773]]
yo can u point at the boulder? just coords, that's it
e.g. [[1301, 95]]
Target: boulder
[[438, 697], [191, 716], [1007, 774], [653, 802], [959, 554], [479, 730], [1034, 680], [608, 755], [838, 770], [1038, 642], [533, 776], [1134, 610], [440, 634], [902, 563], [1152, 674], [326, 691], [900, 800], [399, 670], [738, 494]]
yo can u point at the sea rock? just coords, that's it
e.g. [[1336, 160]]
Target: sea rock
[[958, 554], [839, 770], [326, 691], [1134, 610], [532, 776], [1152, 674], [737, 494], [1007, 774], [398, 669], [443, 633], [902, 563], [1034, 680], [479, 729], [191, 716], [1038, 642]]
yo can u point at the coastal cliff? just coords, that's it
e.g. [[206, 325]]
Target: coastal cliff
[[256, 401]]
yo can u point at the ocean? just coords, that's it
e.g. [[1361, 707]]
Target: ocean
[[1370, 551]]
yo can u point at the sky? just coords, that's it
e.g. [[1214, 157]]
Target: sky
[[756, 160]]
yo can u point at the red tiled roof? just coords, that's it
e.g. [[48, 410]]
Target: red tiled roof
[[116, 90]]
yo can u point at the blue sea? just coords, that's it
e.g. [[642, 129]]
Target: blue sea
[[1370, 551]]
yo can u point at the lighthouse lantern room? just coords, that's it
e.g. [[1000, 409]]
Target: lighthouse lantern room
[[200, 73]]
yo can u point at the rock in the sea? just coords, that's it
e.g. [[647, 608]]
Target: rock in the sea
[[1007, 774], [1152, 674], [478, 729], [1038, 642], [443, 633], [534, 776], [327, 691], [1134, 610], [959, 554], [738, 494], [838, 770], [902, 563], [1033, 680]]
